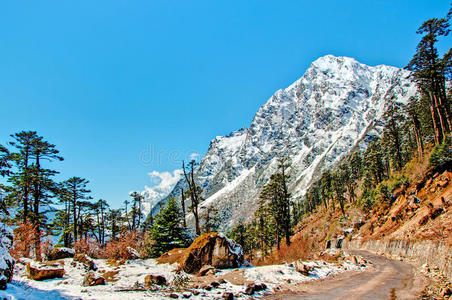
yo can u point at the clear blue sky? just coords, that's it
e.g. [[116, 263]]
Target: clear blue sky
[[112, 81]]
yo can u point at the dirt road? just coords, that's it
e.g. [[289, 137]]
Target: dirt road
[[387, 279]]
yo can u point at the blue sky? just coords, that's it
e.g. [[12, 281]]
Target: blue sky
[[124, 88]]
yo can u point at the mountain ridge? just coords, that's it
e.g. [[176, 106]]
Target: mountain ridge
[[315, 121]]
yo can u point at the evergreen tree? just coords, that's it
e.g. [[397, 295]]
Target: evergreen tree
[[136, 209], [5, 164], [239, 234], [167, 232], [101, 209], [211, 219], [114, 218], [392, 134], [21, 179], [76, 190], [430, 71]]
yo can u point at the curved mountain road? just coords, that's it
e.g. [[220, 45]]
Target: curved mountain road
[[386, 279]]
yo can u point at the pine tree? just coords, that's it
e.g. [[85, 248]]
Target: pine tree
[[412, 110], [392, 134], [5, 164], [210, 218], [101, 209], [430, 71], [167, 232], [76, 190], [137, 199], [114, 218], [21, 180]]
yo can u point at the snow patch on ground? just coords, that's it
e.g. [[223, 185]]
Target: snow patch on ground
[[132, 275]]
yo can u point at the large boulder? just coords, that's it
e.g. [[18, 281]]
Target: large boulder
[[6, 261], [212, 249], [60, 253], [37, 271]]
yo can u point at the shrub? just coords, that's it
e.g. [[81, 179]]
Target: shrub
[[441, 154], [397, 181], [120, 248], [89, 247], [25, 239]]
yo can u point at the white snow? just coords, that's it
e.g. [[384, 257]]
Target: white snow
[[133, 272]]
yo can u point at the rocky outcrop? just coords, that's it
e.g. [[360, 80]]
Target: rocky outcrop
[[38, 271], [60, 253], [212, 249], [6, 261]]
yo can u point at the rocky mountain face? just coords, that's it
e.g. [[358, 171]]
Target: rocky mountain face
[[315, 122]]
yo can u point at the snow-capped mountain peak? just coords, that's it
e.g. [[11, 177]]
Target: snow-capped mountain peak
[[315, 122]]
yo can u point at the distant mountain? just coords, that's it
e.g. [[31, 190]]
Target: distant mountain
[[315, 122]]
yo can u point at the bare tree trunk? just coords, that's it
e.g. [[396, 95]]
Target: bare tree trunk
[[183, 208], [435, 121], [441, 117]]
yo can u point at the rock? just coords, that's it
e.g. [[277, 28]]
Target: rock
[[212, 249], [339, 242], [150, 280], [303, 268], [331, 255], [443, 183], [228, 296], [174, 295], [208, 287], [260, 287], [186, 294], [328, 244], [215, 284], [222, 281], [60, 253], [90, 279], [6, 260], [42, 272], [250, 289], [83, 258], [110, 276], [205, 270], [445, 291], [358, 260]]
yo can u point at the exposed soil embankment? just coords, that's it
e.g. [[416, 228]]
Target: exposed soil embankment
[[432, 253]]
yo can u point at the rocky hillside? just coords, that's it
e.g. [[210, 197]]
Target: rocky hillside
[[315, 121]]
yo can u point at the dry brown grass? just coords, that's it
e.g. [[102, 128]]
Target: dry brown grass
[[172, 256]]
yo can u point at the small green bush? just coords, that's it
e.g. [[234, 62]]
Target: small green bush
[[441, 154]]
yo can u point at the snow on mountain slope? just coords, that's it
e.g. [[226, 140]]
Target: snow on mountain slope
[[315, 121], [164, 183]]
